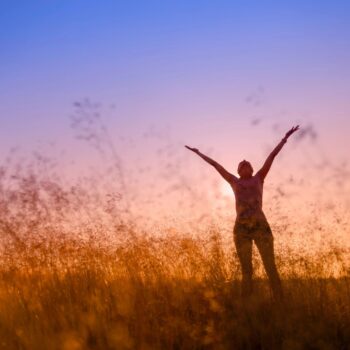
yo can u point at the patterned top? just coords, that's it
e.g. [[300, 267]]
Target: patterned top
[[248, 194]]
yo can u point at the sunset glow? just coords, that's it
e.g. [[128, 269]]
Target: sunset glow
[[124, 221]]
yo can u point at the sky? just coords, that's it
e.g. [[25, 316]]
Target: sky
[[228, 77]]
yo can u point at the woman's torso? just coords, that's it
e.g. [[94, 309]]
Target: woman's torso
[[248, 194]]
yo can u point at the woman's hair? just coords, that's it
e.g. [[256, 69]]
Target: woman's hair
[[244, 162]]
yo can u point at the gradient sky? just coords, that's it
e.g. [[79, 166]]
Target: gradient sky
[[229, 77]]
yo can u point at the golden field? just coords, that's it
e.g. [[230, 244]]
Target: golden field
[[77, 273], [171, 293]]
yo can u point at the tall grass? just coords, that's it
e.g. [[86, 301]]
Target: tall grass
[[171, 293], [77, 273], [72, 286]]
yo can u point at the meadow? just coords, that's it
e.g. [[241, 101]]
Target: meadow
[[76, 272], [84, 291], [172, 293]]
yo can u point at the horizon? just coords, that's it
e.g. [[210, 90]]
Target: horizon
[[229, 79]]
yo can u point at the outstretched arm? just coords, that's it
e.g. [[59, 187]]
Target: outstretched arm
[[268, 162], [223, 172]]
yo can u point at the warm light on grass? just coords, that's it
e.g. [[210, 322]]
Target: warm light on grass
[[77, 272]]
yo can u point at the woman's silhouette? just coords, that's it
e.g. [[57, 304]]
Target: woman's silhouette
[[251, 223]]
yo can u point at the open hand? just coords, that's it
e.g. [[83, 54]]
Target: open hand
[[291, 131], [195, 150]]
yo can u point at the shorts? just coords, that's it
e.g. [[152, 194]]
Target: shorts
[[251, 227]]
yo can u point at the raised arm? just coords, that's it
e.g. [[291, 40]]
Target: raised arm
[[223, 172], [269, 160]]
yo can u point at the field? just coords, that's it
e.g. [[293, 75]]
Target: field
[[76, 274], [172, 293]]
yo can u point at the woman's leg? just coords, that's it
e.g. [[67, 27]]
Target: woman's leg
[[244, 251], [264, 243]]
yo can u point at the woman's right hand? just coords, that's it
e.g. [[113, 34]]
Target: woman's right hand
[[195, 150]]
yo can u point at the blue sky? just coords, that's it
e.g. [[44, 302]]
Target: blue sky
[[188, 64]]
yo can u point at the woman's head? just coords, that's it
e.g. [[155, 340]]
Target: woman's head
[[245, 169]]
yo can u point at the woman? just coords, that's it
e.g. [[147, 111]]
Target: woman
[[251, 223]]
